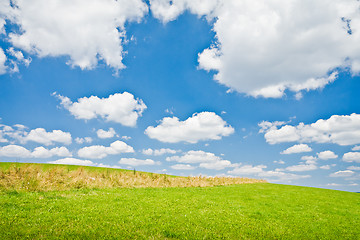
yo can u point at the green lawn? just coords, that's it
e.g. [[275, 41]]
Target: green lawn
[[247, 211]]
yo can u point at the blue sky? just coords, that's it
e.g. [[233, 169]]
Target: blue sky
[[226, 88]]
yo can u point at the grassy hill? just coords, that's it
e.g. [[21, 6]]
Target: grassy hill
[[241, 211]]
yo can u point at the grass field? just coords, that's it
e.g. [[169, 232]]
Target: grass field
[[245, 211]]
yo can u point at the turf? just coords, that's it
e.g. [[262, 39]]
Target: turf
[[246, 211]]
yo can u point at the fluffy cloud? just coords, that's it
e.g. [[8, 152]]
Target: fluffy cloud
[[137, 162], [41, 152], [352, 157], [267, 46], [356, 148], [201, 126], [182, 167], [73, 161], [301, 168], [14, 151], [248, 170], [298, 148], [345, 173], [204, 159], [158, 152], [325, 155], [121, 108], [40, 135], [106, 134], [82, 140], [98, 151], [339, 129], [260, 172], [2, 61], [85, 31]]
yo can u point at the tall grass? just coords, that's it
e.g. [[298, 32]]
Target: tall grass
[[31, 177]]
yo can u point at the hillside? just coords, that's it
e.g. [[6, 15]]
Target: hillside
[[242, 211]]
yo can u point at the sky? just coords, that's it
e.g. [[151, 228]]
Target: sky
[[265, 89]]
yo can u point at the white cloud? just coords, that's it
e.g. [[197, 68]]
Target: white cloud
[[339, 129], [355, 168], [121, 108], [106, 134], [309, 159], [260, 172], [86, 31], [298, 148], [279, 162], [73, 161], [325, 155], [204, 159], [137, 162], [14, 151], [82, 140], [182, 167], [264, 47], [158, 152], [248, 170], [301, 168], [218, 165], [98, 151], [352, 157], [40, 135], [41, 152], [325, 167], [279, 176], [201, 126], [345, 173], [356, 148], [3, 68]]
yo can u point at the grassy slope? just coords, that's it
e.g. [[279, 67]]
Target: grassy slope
[[247, 211]]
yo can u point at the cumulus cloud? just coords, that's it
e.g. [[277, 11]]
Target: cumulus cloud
[[41, 152], [99, 151], [82, 30], [325, 155], [301, 168], [137, 162], [3, 68], [73, 161], [264, 47], [200, 126], [352, 157], [19, 133], [345, 173], [40, 135], [121, 108], [14, 151], [82, 140], [356, 148], [106, 134], [339, 129], [247, 170], [260, 172], [158, 152], [182, 167], [204, 159], [298, 148]]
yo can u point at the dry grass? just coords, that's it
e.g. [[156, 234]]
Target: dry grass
[[36, 178]]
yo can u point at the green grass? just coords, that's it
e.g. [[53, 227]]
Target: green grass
[[246, 211]]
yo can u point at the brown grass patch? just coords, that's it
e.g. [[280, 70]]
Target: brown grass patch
[[31, 177]]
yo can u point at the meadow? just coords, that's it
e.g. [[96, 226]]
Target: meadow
[[257, 210]]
